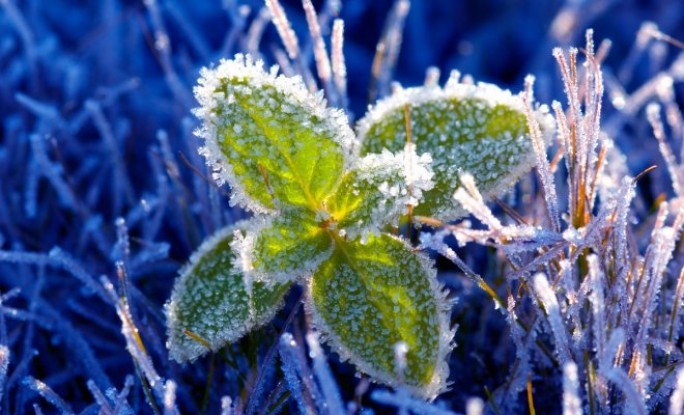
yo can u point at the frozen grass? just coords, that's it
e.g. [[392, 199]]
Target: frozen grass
[[569, 288]]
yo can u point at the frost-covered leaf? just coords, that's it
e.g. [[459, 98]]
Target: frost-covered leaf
[[369, 298], [284, 247], [479, 129], [212, 303], [379, 190], [269, 137]]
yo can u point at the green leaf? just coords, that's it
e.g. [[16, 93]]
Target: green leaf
[[368, 298], [267, 136], [283, 247], [479, 129], [379, 190], [212, 305]]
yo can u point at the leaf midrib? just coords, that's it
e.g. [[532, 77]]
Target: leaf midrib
[[313, 205], [342, 244]]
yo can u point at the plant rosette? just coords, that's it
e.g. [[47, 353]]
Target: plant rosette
[[323, 200]]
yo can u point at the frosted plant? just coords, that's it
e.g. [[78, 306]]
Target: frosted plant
[[322, 214]]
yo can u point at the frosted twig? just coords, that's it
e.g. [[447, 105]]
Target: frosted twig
[[136, 348], [643, 39], [436, 242], [402, 400], [596, 297], [285, 30], [238, 16], [48, 394], [101, 400], [387, 50], [553, 253], [319, 49], [676, 171], [550, 303], [324, 376], [53, 173], [339, 67], [470, 197], [543, 168], [45, 112], [256, 31], [120, 404], [170, 398], [572, 404], [290, 361], [633, 399]]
